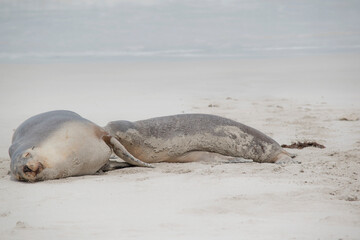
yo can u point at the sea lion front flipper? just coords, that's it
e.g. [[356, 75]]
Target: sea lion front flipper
[[238, 160], [121, 152], [113, 165]]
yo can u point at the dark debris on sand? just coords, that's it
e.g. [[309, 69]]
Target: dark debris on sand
[[301, 145]]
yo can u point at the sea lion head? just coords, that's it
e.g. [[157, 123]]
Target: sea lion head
[[28, 166]]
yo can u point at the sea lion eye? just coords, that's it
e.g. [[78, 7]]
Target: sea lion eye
[[26, 155]]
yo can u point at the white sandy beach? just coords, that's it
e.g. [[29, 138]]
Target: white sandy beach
[[290, 99]]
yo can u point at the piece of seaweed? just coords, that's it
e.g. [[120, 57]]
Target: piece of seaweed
[[301, 145]]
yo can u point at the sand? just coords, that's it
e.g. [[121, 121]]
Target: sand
[[313, 98]]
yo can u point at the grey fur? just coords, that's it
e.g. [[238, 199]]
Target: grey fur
[[166, 138]]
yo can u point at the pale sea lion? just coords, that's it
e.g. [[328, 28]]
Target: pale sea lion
[[60, 144], [195, 137]]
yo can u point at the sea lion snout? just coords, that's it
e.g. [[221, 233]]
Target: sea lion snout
[[27, 169], [33, 169]]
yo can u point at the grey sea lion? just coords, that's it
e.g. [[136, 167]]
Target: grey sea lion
[[195, 137], [60, 144]]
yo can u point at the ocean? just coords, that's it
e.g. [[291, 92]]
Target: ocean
[[44, 31]]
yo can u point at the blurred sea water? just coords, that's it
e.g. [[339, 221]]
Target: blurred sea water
[[121, 30]]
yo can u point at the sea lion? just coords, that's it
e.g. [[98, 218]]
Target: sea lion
[[195, 137], [60, 144]]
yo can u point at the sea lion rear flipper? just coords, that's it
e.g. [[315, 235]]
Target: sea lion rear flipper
[[121, 152], [286, 158]]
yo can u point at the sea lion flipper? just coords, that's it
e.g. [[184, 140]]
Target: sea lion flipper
[[113, 165], [285, 158], [121, 152], [238, 160]]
